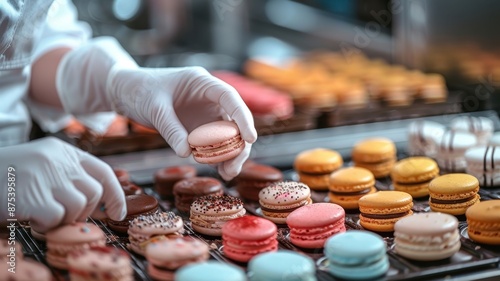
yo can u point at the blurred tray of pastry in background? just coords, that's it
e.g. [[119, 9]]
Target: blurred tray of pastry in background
[[123, 135]]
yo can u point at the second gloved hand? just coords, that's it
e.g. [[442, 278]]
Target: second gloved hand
[[49, 182], [175, 101]]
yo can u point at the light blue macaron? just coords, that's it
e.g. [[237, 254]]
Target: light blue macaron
[[210, 271], [281, 265], [356, 254]]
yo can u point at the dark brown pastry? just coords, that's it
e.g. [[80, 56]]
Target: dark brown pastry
[[164, 179], [137, 205], [131, 189], [254, 177], [188, 190]]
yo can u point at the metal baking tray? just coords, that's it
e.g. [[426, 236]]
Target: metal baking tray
[[472, 262]]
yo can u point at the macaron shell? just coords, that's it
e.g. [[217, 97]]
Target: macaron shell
[[249, 228], [284, 193], [414, 170], [452, 184], [281, 265], [373, 150], [427, 236], [213, 133], [319, 160], [176, 251], [351, 179], [216, 205], [103, 262], [483, 221], [386, 199], [210, 271], [315, 182], [483, 162], [379, 169], [315, 215], [75, 233]]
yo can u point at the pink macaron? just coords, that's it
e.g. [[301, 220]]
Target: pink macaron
[[216, 142], [311, 225], [248, 236]]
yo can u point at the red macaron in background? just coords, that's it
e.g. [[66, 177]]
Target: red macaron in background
[[263, 101], [248, 236], [216, 142]]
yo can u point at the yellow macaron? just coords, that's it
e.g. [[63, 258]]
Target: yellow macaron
[[413, 175], [349, 184], [483, 221], [375, 154], [382, 209], [453, 193], [314, 167]]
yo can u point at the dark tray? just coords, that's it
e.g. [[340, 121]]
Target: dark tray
[[472, 262]]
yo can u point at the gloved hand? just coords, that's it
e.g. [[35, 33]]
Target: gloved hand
[[102, 77], [55, 183]]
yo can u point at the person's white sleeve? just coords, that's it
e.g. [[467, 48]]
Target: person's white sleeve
[[62, 29]]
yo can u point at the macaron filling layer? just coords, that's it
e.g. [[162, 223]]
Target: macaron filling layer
[[386, 216], [354, 193], [452, 201], [218, 149]]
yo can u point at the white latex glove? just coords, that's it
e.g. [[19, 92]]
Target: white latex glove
[[56, 183], [101, 76]]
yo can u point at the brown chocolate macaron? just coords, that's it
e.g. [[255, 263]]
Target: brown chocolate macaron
[[137, 205], [254, 177], [164, 179], [188, 190]]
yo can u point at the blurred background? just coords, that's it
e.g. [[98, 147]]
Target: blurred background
[[305, 65]]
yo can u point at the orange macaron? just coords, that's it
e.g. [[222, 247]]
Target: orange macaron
[[453, 193], [413, 175], [382, 209], [349, 184], [483, 221], [375, 154], [314, 167]]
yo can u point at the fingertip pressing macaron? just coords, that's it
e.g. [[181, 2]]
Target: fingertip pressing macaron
[[483, 162], [356, 255], [311, 225], [382, 209], [427, 236], [378, 155], [483, 220], [209, 213], [278, 200], [314, 166], [216, 142], [247, 236], [453, 193], [281, 265], [413, 175], [349, 184]]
